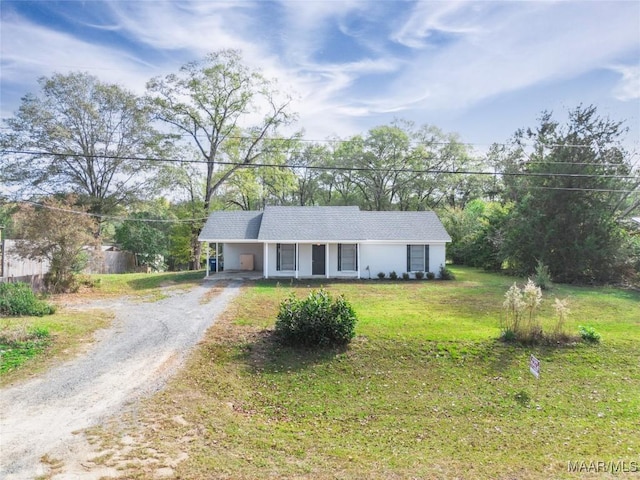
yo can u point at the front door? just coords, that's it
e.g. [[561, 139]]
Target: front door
[[318, 260]]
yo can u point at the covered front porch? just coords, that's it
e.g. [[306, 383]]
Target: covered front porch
[[311, 260], [285, 259]]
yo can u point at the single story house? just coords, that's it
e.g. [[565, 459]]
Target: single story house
[[329, 242]]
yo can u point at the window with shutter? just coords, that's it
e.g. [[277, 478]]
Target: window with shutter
[[347, 257], [416, 257], [286, 257]]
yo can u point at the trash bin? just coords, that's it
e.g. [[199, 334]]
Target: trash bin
[[212, 264]]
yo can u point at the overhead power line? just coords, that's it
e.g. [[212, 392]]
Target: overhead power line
[[438, 171], [187, 221], [579, 189], [203, 136], [111, 217]]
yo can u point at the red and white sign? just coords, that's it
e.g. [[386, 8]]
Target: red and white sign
[[534, 366]]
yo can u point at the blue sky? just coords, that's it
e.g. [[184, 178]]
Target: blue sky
[[482, 69]]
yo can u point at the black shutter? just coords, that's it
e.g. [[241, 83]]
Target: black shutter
[[426, 258], [408, 258], [357, 247], [339, 257], [278, 257]]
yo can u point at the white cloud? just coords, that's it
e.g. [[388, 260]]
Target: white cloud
[[512, 47], [30, 51], [628, 88], [306, 23], [429, 17], [195, 27], [441, 56]]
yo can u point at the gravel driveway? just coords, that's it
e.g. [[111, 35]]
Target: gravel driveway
[[145, 344]]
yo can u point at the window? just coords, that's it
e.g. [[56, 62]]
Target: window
[[347, 257], [417, 258], [286, 257]]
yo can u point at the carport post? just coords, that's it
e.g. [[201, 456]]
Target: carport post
[[217, 258], [326, 259], [207, 259], [266, 260]]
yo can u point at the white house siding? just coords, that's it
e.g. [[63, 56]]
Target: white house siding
[[333, 264], [232, 252], [272, 262], [393, 257], [385, 258], [437, 257], [304, 259]]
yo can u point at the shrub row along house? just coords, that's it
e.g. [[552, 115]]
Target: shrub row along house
[[329, 242]]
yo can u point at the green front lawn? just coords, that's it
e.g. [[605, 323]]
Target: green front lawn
[[424, 391]]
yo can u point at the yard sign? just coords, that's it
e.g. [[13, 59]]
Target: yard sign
[[534, 366]]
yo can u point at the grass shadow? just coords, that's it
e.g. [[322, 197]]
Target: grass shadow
[[269, 284], [264, 353], [152, 281], [501, 356]]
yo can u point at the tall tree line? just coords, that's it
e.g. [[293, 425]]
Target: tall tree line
[[209, 137]]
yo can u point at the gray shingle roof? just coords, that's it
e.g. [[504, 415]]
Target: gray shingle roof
[[412, 226], [324, 224], [232, 225], [310, 223]]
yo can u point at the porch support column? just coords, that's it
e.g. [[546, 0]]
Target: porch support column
[[217, 258], [358, 258], [297, 258], [265, 263], [207, 268], [326, 260]]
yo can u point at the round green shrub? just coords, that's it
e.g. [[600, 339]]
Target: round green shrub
[[316, 321], [18, 299], [446, 274], [589, 334]]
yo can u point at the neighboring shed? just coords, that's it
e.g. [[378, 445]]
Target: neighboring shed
[[330, 242]]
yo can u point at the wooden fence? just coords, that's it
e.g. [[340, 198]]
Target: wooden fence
[[36, 281], [14, 265], [101, 262]]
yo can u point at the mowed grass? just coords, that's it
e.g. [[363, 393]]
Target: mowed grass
[[142, 284], [69, 333], [424, 391]]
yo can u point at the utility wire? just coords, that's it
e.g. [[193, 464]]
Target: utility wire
[[111, 217], [204, 136], [193, 220], [326, 167]]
